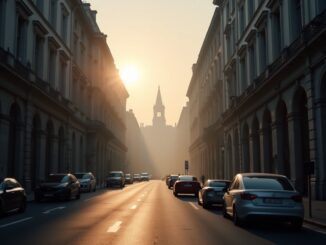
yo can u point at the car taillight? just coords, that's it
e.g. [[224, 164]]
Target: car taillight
[[297, 198], [248, 196]]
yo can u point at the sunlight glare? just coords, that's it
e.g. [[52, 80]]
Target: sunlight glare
[[129, 74]]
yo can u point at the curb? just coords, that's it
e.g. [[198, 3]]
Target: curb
[[315, 223]]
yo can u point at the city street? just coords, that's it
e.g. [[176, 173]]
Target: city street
[[142, 213]]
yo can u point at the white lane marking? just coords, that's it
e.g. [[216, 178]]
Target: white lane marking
[[313, 228], [138, 200], [133, 207], [193, 205], [86, 200], [115, 227], [15, 222], [53, 209]]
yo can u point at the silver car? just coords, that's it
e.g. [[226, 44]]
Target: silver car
[[260, 195], [212, 192], [87, 181]]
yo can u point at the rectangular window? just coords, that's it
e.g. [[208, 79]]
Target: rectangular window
[[2, 21], [252, 63], [21, 37], [39, 4], [64, 24], [262, 50], [38, 56], [296, 18], [63, 70], [277, 42], [250, 8], [53, 12], [52, 67], [243, 73], [241, 19]]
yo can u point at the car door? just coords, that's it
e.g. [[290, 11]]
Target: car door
[[230, 194]]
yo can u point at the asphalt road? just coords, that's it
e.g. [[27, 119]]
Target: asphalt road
[[142, 213]]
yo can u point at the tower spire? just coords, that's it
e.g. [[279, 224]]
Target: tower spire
[[159, 110]]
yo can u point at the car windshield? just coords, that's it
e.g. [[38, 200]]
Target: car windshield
[[267, 183], [174, 177], [221, 184], [57, 178], [115, 175], [187, 178], [82, 176]]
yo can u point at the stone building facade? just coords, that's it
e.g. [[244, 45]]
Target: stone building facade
[[62, 103], [273, 90]]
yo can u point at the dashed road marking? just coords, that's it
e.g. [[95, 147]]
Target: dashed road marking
[[15, 222], [115, 227], [193, 205], [133, 207], [53, 209]]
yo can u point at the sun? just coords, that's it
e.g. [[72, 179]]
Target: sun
[[129, 74]]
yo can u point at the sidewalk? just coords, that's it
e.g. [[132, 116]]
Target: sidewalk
[[318, 211]]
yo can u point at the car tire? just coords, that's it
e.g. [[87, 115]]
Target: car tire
[[78, 195], [236, 219], [225, 214], [90, 188], [22, 207], [205, 205]]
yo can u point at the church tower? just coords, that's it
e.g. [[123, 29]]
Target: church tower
[[159, 111]]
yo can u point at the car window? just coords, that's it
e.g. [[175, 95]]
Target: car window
[[267, 183], [115, 175], [218, 184]]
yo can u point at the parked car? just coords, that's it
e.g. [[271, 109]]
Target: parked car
[[186, 184], [266, 196], [172, 179], [87, 181], [136, 177], [144, 176], [63, 186], [12, 196], [212, 192], [129, 179], [167, 179], [115, 178]]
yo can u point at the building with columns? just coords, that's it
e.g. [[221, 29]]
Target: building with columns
[[273, 90], [62, 103]]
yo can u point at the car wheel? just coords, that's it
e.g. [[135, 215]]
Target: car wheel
[[236, 219], [296, 224], [205, 205], [225, 214], [78, 195], [22, 206]]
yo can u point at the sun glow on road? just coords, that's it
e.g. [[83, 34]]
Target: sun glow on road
[[130, 75]]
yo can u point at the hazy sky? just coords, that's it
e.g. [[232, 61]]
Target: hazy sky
[[162, 38]]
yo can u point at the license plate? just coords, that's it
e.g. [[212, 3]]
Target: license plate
[[272, 201]]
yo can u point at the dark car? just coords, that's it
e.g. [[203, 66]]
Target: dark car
[[129, 179], [12, 196], [58, 186], [186, 184], [172, 179], [115, 178], [212, 192], [87, 181], [144, 176]]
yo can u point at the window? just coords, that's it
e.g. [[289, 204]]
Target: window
[[38, 56], [252, 63], [21, 39], [241, 19], [262, 50], [53, 12], [267, 183], [52, 66], [39, 4], [296, 19], [321, 6], [250, 8], [62, 78], [276, 26], [243, 73], [64, 23]]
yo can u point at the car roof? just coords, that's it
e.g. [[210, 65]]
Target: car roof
[[261, 175]]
